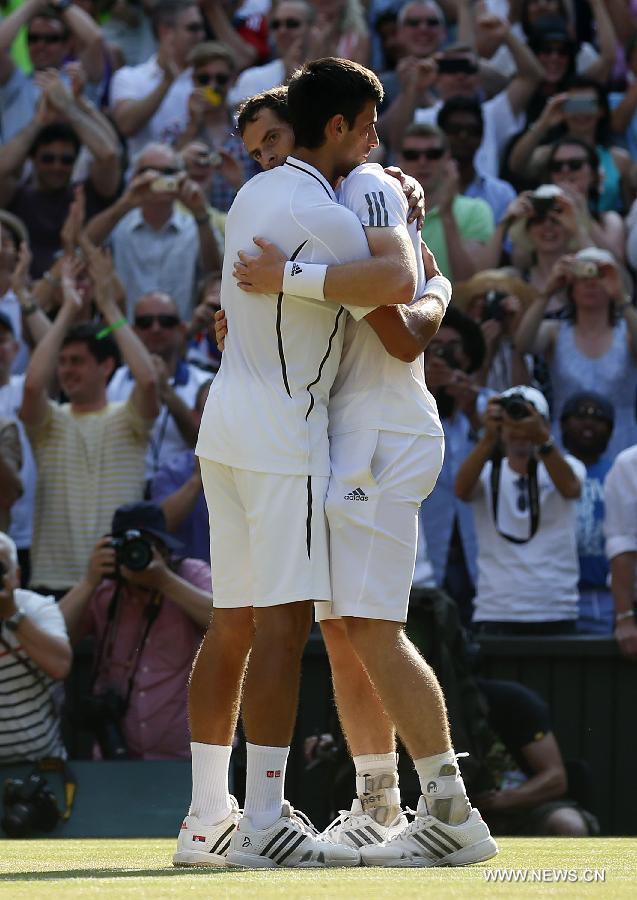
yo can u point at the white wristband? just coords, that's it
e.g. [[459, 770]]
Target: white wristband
[[440, 287], [304, 279]]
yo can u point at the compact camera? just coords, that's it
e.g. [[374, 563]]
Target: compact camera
[[29, 806], [583, 268], [515, 406], [493, 308], [165, 184], [132, 550]]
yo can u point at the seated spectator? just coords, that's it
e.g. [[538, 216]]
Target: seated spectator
[[157, 246], [290, 24], [587, 425], [452, 356], [533, 797], [177, 487], [35, 654], [149, 102], [620, 529], [456, 227], [89, 452], [52, 142], [210, 122], [594, 348], [340, 30], [148, 622], [522, 490], [10, 465], [52, 36], [496, 300], [202, 344], [159, 328]]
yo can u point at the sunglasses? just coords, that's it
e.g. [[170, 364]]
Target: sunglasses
[[204, 78], [522, 487], [165, 321], [34, 38], [590, 412], [275, 24], [569, 165], [429, 21], [430, 153], [67, 159], [194, 27], [555, 50], [167, 170], [471, 130]]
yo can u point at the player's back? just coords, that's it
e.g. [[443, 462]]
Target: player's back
[[267, 407]]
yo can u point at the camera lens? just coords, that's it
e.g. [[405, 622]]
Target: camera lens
[[136, 554]]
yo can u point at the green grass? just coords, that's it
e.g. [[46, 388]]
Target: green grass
[[142, 869]]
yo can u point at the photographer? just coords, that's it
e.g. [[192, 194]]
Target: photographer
[[147, 608], [34, 653], [522, 491]]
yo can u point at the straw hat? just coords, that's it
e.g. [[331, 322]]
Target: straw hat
[[505, 280]]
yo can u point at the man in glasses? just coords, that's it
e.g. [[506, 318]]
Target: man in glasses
[[210, 121], [456, 226], [160, 329], [149, 102], [159, 231], [290, 23]]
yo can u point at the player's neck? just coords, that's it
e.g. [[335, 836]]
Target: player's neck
[[320, 159]]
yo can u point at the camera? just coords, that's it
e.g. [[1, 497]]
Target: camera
[[132, 550], [447, 354], [165, 184], [583, 268], [493, 308], [29, 806], [542, 206], [102, 714], [515, 406], [580, 104]]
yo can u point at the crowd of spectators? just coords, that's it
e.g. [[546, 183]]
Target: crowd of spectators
[[119, 159]]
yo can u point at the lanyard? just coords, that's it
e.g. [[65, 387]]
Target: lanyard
[[532, 494]]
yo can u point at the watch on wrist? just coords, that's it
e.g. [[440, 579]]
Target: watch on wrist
[[547, 447], [14, 621]]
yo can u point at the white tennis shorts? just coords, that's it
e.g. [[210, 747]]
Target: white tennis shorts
[[379, 479], [268, 536]]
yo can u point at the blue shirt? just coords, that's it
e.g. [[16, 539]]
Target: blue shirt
[[590, 521], [194, 531], [495, 191]]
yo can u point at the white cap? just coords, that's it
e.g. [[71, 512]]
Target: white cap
[[531, 395], [597, 255]]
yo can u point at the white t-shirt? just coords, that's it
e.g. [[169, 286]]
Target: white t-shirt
[[374, 390], [500, 124], [267, 408], [620, 506], [255, 80], [22, 510], [171, 116], [165, 439], [535, 581]]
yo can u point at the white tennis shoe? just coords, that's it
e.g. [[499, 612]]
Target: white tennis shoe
[[205, 845], [355, 828]]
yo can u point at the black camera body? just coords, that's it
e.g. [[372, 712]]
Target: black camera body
[[30, 806], [102, 713], [3, 572], [493, 308], [515, 406], [542, 206], [132, 550]]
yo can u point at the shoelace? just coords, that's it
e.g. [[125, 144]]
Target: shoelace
[[345, 817], [300, 819]]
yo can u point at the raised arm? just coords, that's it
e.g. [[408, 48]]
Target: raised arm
[[245, 54], [11, 24], [131, 114], [471, 468], [607, 40]]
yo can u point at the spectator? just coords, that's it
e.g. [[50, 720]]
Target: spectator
[[161, 331], [148, 624], [52, 143], [522, 490], [242, 26], [456, 227], [587, 424], [149, 102], [340, 30], [496, 300], [156, 245], [35, 654], [129, 29], [620, 529], [594, 347], [12, 234], [210, 122], [89, 452], [453, 354], [533, 798], [290, 24], [52, 34], [202, 345], [178, 488], [10, 465]]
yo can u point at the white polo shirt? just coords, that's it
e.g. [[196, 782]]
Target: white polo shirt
[[267, 409], [374, 390]]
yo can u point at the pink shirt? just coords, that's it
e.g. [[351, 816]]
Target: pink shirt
[[156, 724]]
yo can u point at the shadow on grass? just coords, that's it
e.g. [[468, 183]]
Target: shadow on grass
[[64, 874]]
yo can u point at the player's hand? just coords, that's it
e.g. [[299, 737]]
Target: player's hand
[[221, 328], [413, 191], [261, 274]]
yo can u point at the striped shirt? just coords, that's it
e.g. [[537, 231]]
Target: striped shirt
[[29, 723], [88, 465]]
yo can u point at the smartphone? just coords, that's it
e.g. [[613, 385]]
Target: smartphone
[[581, 105], [165, 184]]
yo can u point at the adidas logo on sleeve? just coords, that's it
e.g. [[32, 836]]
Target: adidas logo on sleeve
[[356, 494]]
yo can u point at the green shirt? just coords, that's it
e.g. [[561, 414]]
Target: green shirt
[[475, 222]]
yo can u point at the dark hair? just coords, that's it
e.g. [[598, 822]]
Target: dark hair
[[165, 12], [470, 333], [56, 131], [52, 16], [275, 99], [325, 88], [602, 132], [593, 162], [101, 348], [527, 27], [460, 104], [426, 130]]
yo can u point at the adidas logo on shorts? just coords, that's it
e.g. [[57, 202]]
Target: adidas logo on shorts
[[356, 494]]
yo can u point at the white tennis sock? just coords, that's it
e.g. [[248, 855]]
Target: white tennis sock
[[210, 795], [265, 780]]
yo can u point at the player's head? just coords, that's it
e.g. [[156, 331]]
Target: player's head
[[265, 129], [332, 102]]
